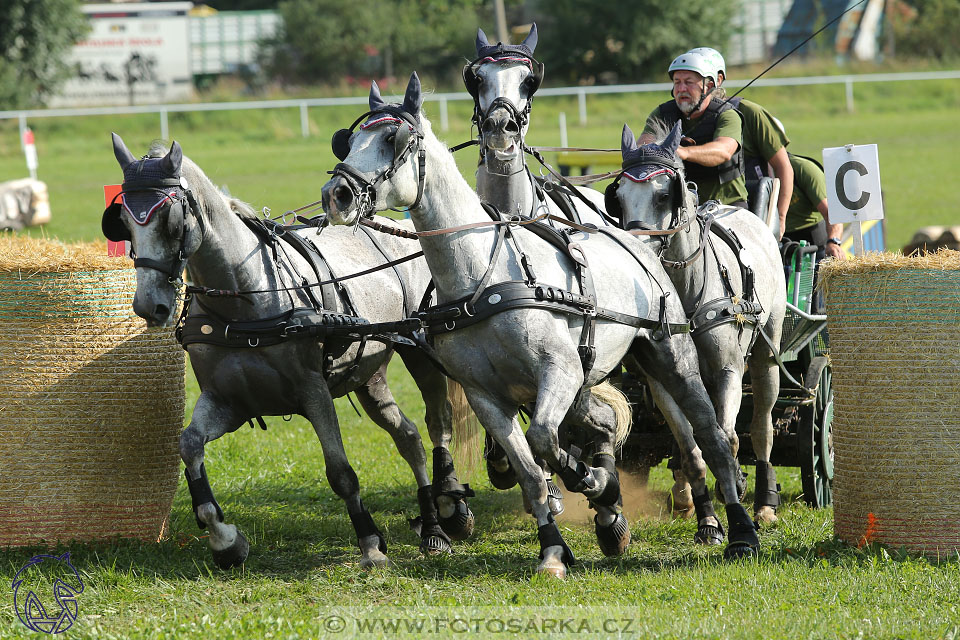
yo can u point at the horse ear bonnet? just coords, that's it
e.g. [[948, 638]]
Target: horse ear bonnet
[[341, 144], [610, 200]]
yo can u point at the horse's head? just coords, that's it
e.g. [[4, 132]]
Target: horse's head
[[156, 212], [650, 192], [502, 80], [381, 159]]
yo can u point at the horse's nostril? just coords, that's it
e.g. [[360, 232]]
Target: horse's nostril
[[488, 126], [161, 311], [343, 195], [511, 128]]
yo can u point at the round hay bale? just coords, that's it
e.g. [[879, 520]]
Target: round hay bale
[[894, 327], [91, 400]]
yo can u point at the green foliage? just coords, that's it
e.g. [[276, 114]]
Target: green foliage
[[325, 40], [35, 36], [933, 33], [600, 42]]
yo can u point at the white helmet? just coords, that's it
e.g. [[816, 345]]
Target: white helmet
[[698, 61], [713, 58]]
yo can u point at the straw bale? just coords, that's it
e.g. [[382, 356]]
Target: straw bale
[[894, 326], [91, 400]]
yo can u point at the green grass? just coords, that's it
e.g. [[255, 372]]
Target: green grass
[[303, 562]]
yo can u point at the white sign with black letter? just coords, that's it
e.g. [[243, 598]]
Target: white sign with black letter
[[853, 183], [853, 187]]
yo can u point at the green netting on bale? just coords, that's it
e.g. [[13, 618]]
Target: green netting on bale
[[895, 347]]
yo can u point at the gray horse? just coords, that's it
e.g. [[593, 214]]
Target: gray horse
[[521, 353], [175, 217], [727, 268], [502, 80]]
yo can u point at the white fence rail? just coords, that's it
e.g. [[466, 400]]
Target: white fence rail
[[443, 98]]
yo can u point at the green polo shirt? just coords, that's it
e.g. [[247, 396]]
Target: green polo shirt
[[762, 136], [809, 188], [728, 126]]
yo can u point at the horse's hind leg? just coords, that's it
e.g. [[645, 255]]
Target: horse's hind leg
[[209, 421], [319, 410], [378, 401], [450, 496], [765, 380], [599, 418]]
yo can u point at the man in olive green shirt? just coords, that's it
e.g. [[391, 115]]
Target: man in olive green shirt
[[712, 154], [764, 139], [808, 218]]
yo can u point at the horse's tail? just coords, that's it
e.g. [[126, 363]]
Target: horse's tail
[[467, 440], [609, 394]]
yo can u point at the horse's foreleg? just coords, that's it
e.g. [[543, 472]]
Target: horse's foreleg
[[765, 379], [693, 469], [726, 386], [378, 401], [209, 421], [499, 419], [456, 518], [319, 410], [674, 361]]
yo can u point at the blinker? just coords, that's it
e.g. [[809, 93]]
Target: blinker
[[341, 144]]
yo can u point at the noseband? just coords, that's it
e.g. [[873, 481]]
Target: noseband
[[407, 139], [182, 204]]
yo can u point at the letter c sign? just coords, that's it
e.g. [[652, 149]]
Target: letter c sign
[[853, 179]]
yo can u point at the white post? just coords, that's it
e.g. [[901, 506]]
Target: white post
[[582, 101], [563, 129], [857, 233], [849, 87], [444, 123], [164, 125], [304, 121]]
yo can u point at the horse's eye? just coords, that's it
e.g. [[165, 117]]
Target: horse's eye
[[392, 137]]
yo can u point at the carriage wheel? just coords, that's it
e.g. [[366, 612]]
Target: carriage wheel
[[816, 438]]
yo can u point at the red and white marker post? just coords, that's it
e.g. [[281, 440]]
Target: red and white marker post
[[30, 150], [122, 248]]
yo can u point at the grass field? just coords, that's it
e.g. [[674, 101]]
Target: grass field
[[303, 569]]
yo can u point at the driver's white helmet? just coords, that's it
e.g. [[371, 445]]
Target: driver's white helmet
[[703, 60], [713, 58]]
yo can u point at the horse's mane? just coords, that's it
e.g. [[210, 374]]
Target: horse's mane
[[660, 129], [206, 193]]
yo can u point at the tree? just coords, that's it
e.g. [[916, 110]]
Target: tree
[[35, 38], [325, 40], [598, 41], [927, 28]]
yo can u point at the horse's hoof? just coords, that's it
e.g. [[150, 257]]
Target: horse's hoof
[[234, 555], [374, 560], [738, 550], [501, 479], [554, 498], [743, 538], [614, 538], [434, 546], [709, 535], [681, 501], [459, 526], [766, 515], [553, 568]]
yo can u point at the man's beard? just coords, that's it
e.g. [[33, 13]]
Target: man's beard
[[686, 108]]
